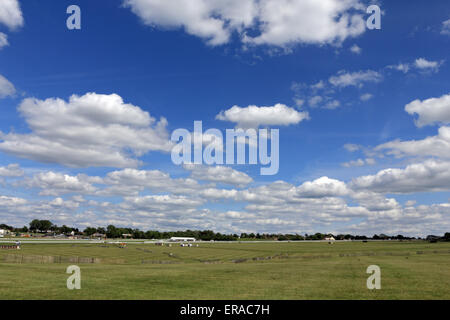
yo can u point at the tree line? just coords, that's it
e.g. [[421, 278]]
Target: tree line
[[111, 231]]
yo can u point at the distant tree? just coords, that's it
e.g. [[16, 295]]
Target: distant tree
[[113, 232], [138, 234], [89, 231], [447, 236], [432, 238], [35, 225], [46, 225], [65, 229], [41, 225], [318, 236]]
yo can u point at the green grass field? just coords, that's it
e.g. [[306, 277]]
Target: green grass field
[[409, 270]]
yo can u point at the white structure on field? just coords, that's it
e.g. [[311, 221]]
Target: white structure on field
[[180, 239]]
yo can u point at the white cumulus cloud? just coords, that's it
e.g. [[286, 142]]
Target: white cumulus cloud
[[428, 176], [426, 65], [90, 130], [254, 116], [356, 49], [433, 146], [446, 27], [431, 111], [6, 87], [219, 174], [11, 14], [357, 79], [12, 170], [271, 22], [55, 184], [3, 40]]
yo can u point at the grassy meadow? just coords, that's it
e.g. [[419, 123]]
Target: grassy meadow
[[296, 270]]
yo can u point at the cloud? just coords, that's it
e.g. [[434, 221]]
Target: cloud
[[3, 40], [54, 184], [271, 22], [356, 49], [446, 28], [420, 64], [219, 174], [357, 79], [434, 146], [430, 111], [359, 163], [331, 105], [299, 102], [366, 97], [318, 86], [425, 65], [304, 21], [323, 187], [254, 116], [213, 21], [91, 130], [131, 182], [159, 205], [10, 14], [314, 101], [12, 170], [403, 67], [352, 147], [274, 207], [323, 102], [6, 87], [11, 201], [429, 176]]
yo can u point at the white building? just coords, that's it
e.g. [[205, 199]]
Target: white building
[[3, 233], [180, 239]]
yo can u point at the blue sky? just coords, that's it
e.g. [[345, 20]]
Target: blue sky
[[373, 155]]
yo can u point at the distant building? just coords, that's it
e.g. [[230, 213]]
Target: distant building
[[99, 235], [180, 239], [433, 238], [4, 232]]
